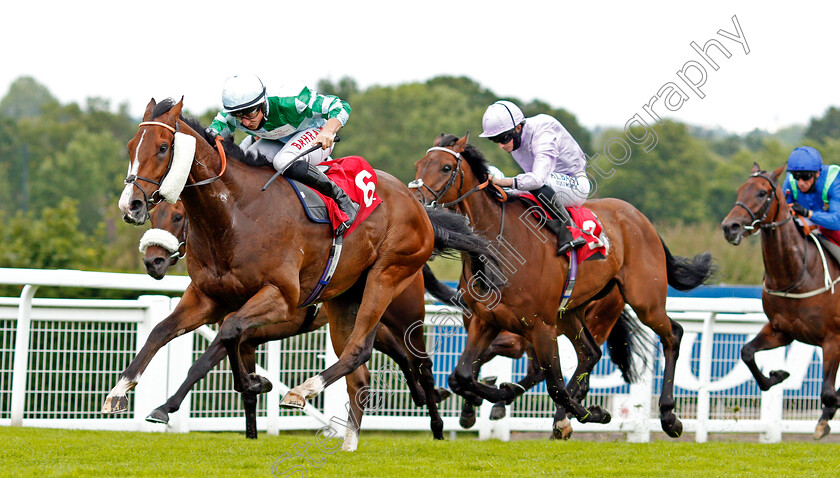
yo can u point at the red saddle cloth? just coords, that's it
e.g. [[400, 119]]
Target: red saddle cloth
[[358, 179], [586, 225]]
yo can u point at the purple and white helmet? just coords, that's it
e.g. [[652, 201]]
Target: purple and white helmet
[[501, 116]]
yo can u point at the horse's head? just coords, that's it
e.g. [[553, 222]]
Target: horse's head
[[161, 246], [150, 154], [759, 204], [440, 175]]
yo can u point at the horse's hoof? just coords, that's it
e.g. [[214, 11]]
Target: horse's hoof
[[489, 381], [158, 416], [672, 426], [467, 419], [596, 414], [511, 390], [778, 376], [498, 411], [822, 429], [562, 430], [258, 384], [115, 404], [441, 394], [293, 400]]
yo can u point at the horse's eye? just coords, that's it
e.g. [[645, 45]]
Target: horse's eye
[[163, 148], [446, 168], [762, 193], [177, 218]]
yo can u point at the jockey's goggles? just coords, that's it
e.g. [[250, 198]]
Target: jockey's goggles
[[503, 138], [803, 175], [248, 114]]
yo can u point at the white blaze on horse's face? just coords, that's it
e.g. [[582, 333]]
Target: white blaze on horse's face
[[133, 167]]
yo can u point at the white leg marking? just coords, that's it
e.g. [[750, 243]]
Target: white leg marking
[[351, 439], [312, 387]]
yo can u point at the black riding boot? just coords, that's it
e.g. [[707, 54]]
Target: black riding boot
[[558, 226], [311, 176]]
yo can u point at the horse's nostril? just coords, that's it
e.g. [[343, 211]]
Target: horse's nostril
[[136, 205], [158, 262]]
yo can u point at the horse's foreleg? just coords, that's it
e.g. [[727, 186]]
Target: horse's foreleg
[[358, 389], [267, 306], [544, 339], [209, 359], [587, 351], [247, 352], [766, 339], [829, 397], [192, 311]]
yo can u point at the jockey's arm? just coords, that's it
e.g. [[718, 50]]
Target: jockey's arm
[[327, 135]]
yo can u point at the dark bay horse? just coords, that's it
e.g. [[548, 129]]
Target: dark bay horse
[[254, 256], [638, 264], [798, 297], [161, 249]]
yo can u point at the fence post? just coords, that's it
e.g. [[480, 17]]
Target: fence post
[[336, 399], [21, 362], [502, 369], [151, 390], [179, 361], [641, 395], [705, 375], [772, 402], [273, 398]]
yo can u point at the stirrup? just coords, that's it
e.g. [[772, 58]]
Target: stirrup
[[573, 244]]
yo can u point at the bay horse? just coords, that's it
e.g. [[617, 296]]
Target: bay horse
[[637, 263], [254, 256], [161, 249], [798, 297]]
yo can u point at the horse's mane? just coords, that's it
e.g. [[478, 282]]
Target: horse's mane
[[232, 150], [474, 158]]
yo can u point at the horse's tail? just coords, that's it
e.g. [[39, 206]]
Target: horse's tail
[[685, 273], [628, 339], [441, 291], [453, 233]]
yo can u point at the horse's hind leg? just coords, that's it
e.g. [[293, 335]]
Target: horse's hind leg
[[766, 339], [829, 397], [544, 339]]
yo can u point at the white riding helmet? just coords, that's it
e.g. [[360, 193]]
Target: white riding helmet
[[501, 116], [242, 92]]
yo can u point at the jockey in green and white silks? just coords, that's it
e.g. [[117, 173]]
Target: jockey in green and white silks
[[280, 127]]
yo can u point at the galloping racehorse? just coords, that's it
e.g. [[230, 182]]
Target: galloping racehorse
[[798, 298], [637, 262], [254, 256], [161, 248]]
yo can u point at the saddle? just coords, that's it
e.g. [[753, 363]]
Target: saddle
[[587, 225], [355, 176]]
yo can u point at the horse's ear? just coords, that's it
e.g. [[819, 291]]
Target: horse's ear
[[147, 116], [175, 113], [438, 140], [756, 168], [461, 144], [778, 172]]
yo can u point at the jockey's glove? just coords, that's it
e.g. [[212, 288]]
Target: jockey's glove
[[211, 132], [798, 209]]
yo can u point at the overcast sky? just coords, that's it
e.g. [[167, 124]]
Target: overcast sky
[[602, 61]]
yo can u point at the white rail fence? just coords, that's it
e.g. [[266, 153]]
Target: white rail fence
[[59, 358]]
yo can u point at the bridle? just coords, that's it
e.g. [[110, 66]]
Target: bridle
[[456, 172], [154, 198], [759, 218]]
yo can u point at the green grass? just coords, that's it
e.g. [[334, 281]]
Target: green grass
[[46, 452]]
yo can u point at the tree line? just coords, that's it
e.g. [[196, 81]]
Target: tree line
[[62, 165]]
